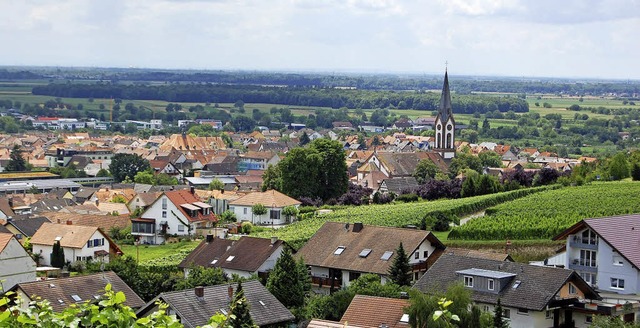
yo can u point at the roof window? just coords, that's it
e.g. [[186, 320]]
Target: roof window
[[339, 250], [365, 252], [405, 318], [76, 298], [516, 284], [386, 256], [230, 258]]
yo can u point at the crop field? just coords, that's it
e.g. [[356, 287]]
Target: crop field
[[394, 215], [544, 215], [168, 254]]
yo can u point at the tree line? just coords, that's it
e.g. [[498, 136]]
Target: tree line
[[294, 96]]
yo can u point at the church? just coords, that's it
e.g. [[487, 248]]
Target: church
[[445, 125]]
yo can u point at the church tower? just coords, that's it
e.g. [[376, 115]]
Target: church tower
[[445, 126]]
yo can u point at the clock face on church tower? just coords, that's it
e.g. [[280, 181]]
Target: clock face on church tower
[[449, 127], [439, 127]]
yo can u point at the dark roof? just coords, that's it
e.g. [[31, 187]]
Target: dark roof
[[248, 253], [538, 284], [205, 253], [401, 164], [5, 207], [3, 229], [85, 193], [478, 253], [51, 205], [28, 226], [193, 312], [85, 287], [319, 250], [374, 311], [621, 232], [398, 184], [445, 110]]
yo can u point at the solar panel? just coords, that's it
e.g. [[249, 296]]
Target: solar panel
[[386, 256]]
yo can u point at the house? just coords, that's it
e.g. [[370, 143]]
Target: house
[[339, 253], [142, 201], [104, 222], [80, 243], [375, 311], [604, 251], [64, 292], [254, 160], [178, 212], [398, 185], [273, 200], [244, 257], [404, 164], [24, 227], [531, 296], [6, 208], [194, 307], [17, 265], [166, 167]]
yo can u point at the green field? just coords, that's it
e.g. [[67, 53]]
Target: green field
[[150, 253], [544, 215], [394, 215]]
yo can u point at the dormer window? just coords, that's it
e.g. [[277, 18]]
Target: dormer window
[[468, 281], [339, 250], [491, 284]]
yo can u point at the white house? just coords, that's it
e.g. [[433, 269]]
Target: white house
[[80, 243], [179, 213], [339, 253], [244, 257], [273, 200], [16, 266]]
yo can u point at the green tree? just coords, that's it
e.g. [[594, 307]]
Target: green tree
[[334, 180], [300, 173], [290, 212], [498, 319], [304, 139], [271, 178], [127, 165], [619, 166], [635, 172], [286, 281], [16, 163], [228, 216], [145, 177], [240, 316], [57, 255], [216, 184], [258, 209], [400, 270], [103, 173], [425, 171], [201, 276], [490, 159]]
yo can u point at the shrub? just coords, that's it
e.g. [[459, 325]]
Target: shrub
[[407, 198]]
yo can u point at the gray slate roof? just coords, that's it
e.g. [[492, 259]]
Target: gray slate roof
[[538, 284], [28, 226], [193, 312]]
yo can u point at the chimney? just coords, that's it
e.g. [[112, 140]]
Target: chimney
[[230, 291], [199, 291], [507, 247], [274, 239], [193, 190], [209, 238], [97, 202], [11, 202], [69, 222], [357, 227], [58, 221]]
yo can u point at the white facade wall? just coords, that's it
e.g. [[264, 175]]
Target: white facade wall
[[71, 254], [424, 247], [244, 213], [270, 263], [178, 224], [16, 265]]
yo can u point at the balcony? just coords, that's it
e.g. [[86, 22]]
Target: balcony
[[584, 243], [583, 265], [326, 282]]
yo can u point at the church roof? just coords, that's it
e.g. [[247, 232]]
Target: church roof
[[445, 110]]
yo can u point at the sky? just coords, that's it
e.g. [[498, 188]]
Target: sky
[[532, 38]]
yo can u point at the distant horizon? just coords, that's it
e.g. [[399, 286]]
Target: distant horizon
[[328, 72]]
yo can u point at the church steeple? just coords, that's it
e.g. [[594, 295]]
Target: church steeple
[[445, 125], [445, 99]]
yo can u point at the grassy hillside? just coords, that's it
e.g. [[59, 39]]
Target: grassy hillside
[[544, 215]]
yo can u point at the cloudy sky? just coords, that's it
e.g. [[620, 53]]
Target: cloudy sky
[[568, 38]]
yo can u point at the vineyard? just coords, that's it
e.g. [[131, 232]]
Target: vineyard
[[544, 215], [396, 215]]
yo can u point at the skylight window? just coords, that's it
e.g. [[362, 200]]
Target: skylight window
[[215, 261], [60, 301], [365, 252], [386, 256], [339, 250], [516, 284], [405, 318], [76, 298], [223, 311], [230, 258], [262, 303]]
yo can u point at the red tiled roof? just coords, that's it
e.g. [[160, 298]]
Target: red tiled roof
[[179, 197], [374, 311]]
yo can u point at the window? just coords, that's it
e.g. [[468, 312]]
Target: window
[[365, 252], [404, 318], [588, 319], [76, 298], [491, 285], [353, 275], [617, 260], [589, 278], [572, 289], [416, 255], [506, 313], [468, 281], [180, 228], [425, 254], [164, 214], [339, 250], [274, 215], [164, 203], [90, 243], [548, 314], [485, 308], [588, 258], [589, 237], [617, 283], [244, 210], [523, 311], [230, 258], [386, 256]]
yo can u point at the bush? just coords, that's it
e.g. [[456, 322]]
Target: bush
[[407, 198], [246, 227]]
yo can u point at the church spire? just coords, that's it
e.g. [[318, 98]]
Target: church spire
[[445, 99]]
